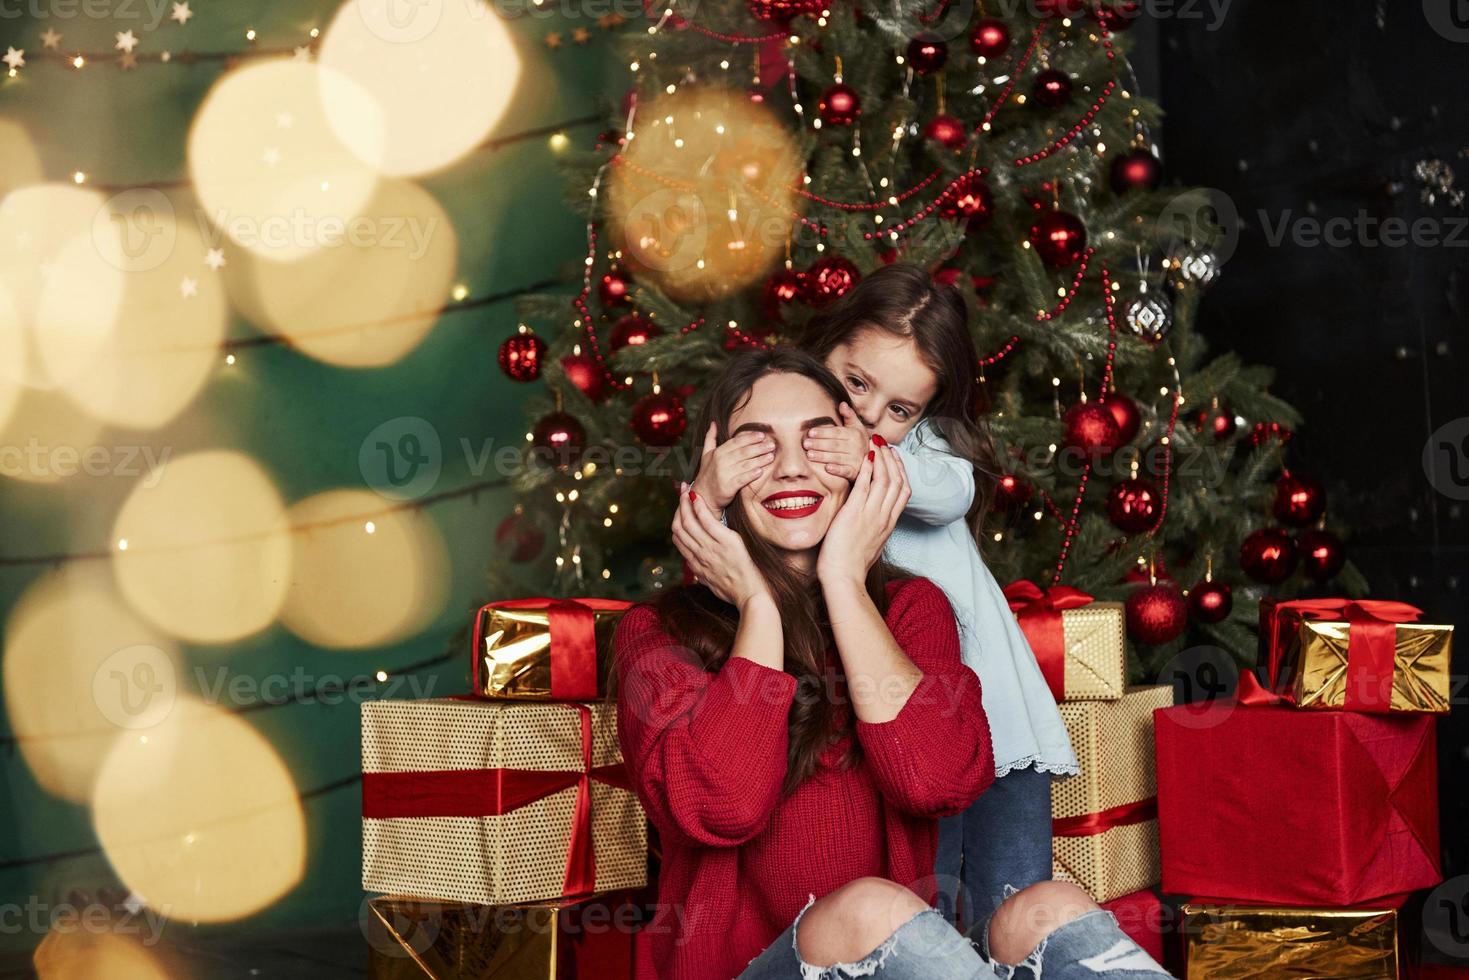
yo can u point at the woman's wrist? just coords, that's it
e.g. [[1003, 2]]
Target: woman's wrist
[[837, 582], [757, 602]]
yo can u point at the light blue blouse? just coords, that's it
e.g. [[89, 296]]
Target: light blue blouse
[[933, 540]]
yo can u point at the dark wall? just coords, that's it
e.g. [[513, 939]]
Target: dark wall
[[1301, 113]]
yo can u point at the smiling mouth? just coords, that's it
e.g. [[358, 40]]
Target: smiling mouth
[[792, 504]]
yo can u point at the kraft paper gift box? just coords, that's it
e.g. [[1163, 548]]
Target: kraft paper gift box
[[1078, 642], [1104, 826], [497, 802], [1361, 655], [544, 649], [425, 939], [1242, 941], [1268, 803]]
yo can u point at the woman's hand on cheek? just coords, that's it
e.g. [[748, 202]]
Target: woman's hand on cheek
[[840, 448], [715, 553], [861, 528]]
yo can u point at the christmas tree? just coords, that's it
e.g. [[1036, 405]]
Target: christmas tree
[[769, 153]]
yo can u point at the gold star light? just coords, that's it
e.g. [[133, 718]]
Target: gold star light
[[126, 41], [181, 12], [610, 20], [553, 40], [51, 39], [15, 58], [581, 35]]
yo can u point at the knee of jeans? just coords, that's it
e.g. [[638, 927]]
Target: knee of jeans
[[1019, 927], [907, 936]]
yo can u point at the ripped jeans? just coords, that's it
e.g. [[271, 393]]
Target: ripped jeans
[[927, 947]]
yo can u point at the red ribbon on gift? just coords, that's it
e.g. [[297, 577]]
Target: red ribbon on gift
[[573, 642], [1039, 615], [1372, 638], [493, 792], [1090, 824]]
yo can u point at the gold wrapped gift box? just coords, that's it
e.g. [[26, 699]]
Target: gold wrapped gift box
[[1095, 652], [1244, 942], [520, 653], [1105, 825], [1313, 665]]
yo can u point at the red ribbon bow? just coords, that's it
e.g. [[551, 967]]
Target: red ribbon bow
[[573, 642], [1089, 824], [1371, 644], [492, 792], [1039, 615]]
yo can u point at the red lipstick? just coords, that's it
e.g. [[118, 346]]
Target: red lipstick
[[791, 513]]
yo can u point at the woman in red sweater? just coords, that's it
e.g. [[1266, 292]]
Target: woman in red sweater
[[796, 722]]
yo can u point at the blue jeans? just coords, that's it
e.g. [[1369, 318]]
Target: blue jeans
[[926, 947], [1004, 838]]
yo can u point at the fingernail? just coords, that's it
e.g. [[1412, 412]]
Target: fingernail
[[693, 495], [879, 440], [872, 454]]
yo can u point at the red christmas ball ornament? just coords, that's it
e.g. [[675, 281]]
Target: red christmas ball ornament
[[1091, 428], [659, 418], [1059, 238], [839, 105], [521, 355], [1136, 171], [1268, 555], [1299, 500], [1117, 16], [632, 330], [780, 291], [1156, 613], [1322, 553], [1139, 573], [948, 275], [519, 539], [1133, 505], [1052, 88], [1216, 420], [1210, 601], [782, 11], [614, 289], [1125, 411], [927, 53], [990, 38], [1265, 431], [1011, 493], [583, 372], [559, 438], [970, 199], [829, 279], [946, 131]]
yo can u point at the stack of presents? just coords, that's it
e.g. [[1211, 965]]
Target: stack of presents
[[1284, 832], [1292, 826]]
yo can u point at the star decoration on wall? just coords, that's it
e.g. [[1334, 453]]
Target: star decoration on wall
[[553, 40], [126, 41], [214, 258], [581, 35], [610, 20], [189, 287], [51, 39], [15, 58], [181, 12]]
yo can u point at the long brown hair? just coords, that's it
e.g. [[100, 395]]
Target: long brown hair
[[904, 300], [706, 624]]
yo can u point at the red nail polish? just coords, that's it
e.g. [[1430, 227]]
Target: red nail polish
[[879, 440], [693, 495], [872, 454]]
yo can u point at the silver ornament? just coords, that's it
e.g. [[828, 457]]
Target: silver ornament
[[1199, 266], [1148, 316]]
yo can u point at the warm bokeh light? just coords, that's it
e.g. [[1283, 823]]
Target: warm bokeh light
[[269, 171], [171, 321], [19, 162], [441, 74], [351, 588], [704, 200], [208, 557], [64, 276], [79, 953], [80, 669], [47, 438], [200, 817], [363, 302]]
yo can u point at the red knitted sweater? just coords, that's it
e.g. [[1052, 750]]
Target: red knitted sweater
[[707, 755]]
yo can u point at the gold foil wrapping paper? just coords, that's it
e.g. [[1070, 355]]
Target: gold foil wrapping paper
[[1242, 942], [1095, 652], [421, 939], [1114, 746], [499, 859], [1313, 665], [515, 652]]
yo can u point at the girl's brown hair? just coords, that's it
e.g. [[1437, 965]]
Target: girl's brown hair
[[697, 618], [904, 300]]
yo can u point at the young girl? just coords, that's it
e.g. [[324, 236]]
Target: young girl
[[900, 344]]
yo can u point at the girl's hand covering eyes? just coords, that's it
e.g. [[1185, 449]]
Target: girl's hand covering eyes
[[840, 448]]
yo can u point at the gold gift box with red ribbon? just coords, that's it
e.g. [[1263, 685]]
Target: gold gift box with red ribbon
[[1104, 819], [544, 649], [1233, 941], [497, 802], [1357, 654], [1079, 643]]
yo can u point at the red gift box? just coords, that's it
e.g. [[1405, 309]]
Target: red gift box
[[1140, 915], [1276, 805]]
